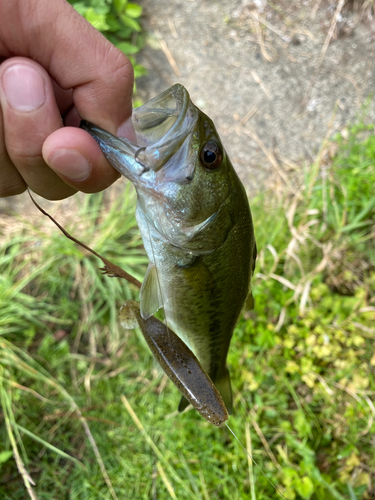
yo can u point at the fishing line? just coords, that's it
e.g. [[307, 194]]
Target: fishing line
[[254, 462]]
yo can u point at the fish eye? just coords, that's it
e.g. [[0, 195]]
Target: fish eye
[[211, 155]]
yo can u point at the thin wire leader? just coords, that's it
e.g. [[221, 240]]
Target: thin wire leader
[[254, 462]]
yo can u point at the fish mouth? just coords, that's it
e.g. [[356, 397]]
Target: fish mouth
[[162, 127], [162, 118]]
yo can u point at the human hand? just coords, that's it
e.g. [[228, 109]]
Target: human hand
[[55, 68]]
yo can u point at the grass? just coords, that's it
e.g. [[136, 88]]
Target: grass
[[84, 414], [365, 8]]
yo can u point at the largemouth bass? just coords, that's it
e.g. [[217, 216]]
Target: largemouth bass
[[195, 222]]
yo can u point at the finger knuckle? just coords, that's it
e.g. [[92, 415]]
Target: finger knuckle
[[119, 66], [22, 156]]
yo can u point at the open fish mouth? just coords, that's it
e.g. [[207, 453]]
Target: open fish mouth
[[162, 126], [162, 118]]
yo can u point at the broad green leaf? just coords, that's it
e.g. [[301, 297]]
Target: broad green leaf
[[132, 60], [127, 48], [130, 23], [81, 8], [136, 104], [97, 20], [301, 424], [120, 5], [133, 10], [100, 6], [5, 456], [304, 487], [124, 33], [113, 23], [139, 71]]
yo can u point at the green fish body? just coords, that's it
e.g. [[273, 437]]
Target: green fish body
[[195, 222]]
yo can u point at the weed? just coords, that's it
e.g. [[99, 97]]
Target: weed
[[118, 20], [85, 415]]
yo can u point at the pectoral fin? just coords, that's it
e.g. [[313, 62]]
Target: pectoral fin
[[184, 403], [249, 303], [224, 386], [150, 295], [198, 276]]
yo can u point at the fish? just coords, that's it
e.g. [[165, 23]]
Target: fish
[[173, 355], [196, 225]]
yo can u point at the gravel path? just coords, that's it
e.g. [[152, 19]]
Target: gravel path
[[262, 73]]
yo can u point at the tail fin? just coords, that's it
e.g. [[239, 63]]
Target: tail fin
[[224, 386]]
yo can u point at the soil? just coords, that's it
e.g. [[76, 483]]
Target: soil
[[261, 71]]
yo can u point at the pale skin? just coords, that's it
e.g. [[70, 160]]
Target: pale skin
[[55, 68]]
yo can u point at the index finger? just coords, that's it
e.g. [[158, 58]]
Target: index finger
[[77, 57]]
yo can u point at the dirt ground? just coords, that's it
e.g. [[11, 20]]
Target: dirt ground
[[264, 72]]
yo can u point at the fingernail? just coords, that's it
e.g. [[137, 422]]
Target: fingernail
[[127, 130], [70, 164], [24, 87]]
